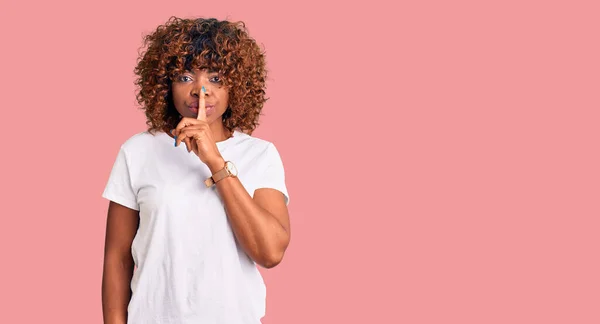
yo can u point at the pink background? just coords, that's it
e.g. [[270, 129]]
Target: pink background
[[442, 157]]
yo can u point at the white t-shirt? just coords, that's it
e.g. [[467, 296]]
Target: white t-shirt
[[189, 267]]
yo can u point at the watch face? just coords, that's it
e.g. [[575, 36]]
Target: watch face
[[231, 168]]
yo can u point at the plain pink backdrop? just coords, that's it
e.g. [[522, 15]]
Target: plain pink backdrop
[[441, 156]]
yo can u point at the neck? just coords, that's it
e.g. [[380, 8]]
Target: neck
[[220, 133]]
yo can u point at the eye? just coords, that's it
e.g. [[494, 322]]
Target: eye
[[215, 79], [184, 78]]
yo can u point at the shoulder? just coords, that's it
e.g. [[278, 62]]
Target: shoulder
[[257, 145], [262, 152], [136, 148], [138, 140]]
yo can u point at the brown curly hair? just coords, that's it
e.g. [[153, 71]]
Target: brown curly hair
[[181, 45]]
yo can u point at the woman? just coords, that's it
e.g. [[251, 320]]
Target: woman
[[196, 202]]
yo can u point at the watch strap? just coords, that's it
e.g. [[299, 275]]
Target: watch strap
[[218, 176]]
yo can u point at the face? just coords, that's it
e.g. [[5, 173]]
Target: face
[[186, 93]]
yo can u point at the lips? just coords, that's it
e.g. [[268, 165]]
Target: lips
[[194, 108]]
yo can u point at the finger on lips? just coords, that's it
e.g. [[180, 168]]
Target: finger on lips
[[189, 127], [202, 105]]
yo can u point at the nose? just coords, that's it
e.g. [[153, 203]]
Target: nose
[[197, 88]]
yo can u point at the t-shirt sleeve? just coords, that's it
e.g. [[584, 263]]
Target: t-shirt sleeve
[[119, 187], [273, 174]]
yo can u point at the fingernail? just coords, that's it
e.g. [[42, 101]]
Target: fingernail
[[203, 90], [175, 143]]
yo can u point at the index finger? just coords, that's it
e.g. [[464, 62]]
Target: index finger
[[202, 105]]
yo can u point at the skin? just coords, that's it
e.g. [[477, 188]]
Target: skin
[[260, 223]]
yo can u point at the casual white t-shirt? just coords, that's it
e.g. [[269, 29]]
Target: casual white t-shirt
[[189, 267]]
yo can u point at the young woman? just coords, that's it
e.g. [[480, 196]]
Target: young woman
[[195, 202]]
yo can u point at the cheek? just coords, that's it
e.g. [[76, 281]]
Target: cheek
[[177, 94], [175, 91], [224, 96]]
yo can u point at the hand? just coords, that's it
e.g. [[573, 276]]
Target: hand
[[198, 137]]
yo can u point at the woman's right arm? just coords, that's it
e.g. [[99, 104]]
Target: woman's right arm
[[121, 227]]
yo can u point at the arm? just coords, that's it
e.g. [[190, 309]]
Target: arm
[[121, 226], [261, 224]]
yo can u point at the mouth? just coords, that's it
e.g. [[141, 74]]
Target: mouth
[[194, 108]]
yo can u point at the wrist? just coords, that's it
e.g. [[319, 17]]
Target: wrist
[[216, 164]]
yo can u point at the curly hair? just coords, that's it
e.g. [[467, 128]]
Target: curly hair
[[181, 45]]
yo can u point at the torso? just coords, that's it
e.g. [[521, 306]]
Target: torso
[[189, 267]]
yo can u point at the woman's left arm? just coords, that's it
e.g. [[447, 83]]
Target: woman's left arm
[[261, 224]]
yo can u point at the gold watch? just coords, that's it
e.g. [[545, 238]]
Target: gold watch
[[228, 171]]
